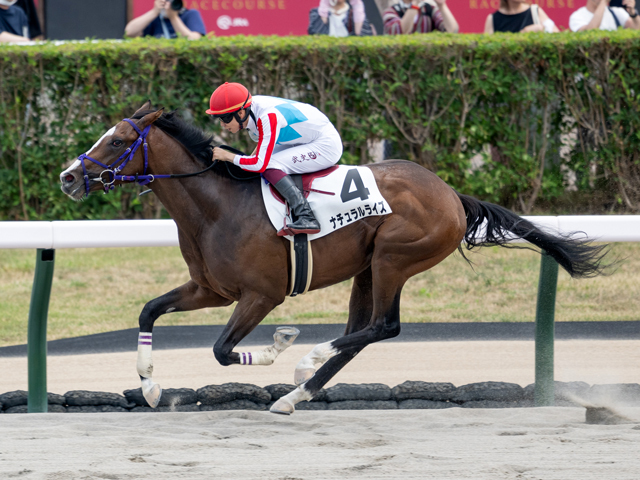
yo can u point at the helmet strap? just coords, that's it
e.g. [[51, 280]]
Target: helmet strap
[[241, 121], [247, 110]]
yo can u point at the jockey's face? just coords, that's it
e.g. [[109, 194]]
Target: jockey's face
[[233, 126]]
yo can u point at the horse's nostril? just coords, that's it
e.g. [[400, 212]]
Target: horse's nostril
[[69, 178]]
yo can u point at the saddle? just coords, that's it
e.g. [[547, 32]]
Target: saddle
[[304, 182]]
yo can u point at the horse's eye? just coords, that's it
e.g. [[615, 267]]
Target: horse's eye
[[117, 143]]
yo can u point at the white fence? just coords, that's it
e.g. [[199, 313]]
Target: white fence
[[163, 233]]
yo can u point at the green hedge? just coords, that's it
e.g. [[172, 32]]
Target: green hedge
[[537, 113]]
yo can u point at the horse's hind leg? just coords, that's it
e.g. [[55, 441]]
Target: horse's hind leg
[[189, 296], [385, 323], [390, 269], [360, 311]]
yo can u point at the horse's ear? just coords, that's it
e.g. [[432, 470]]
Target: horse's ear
[[146, 106], [149, 118]]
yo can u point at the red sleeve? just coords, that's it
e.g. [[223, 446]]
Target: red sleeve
[[268, 133]]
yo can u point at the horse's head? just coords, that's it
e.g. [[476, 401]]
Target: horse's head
[[120, 151]]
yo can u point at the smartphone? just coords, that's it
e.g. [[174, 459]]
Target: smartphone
[[615, 3]]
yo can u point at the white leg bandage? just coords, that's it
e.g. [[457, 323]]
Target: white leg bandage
[[287, 405], [151, 390], [283, 338], [265, 357], [145, 363], [300, 394], [319, 355]]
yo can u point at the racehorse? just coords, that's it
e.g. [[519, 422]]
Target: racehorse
[[234, 254]]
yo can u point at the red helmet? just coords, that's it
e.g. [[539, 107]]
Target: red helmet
[[229, 98]]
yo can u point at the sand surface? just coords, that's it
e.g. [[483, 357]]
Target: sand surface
[[457, 443]]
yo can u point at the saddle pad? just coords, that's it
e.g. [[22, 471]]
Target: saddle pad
[[349, 193]]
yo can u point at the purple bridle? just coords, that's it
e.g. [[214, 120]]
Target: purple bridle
[[116, 167]]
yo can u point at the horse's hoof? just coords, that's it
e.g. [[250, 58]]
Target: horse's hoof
[[151, 392], [302, 375], [282, 407], [285, 336]]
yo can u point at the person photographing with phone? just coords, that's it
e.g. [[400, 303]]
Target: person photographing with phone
[[167, 19], [605, 15]]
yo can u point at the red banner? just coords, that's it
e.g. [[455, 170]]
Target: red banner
[[291, 17]]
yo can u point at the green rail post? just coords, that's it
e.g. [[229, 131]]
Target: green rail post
[[545, 312], [37, 331]]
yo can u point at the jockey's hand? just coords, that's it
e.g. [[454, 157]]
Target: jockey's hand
[[223, 155]]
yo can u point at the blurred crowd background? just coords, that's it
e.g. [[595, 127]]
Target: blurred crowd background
[[80, 19]]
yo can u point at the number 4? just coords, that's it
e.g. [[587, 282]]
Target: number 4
[[353, 175]]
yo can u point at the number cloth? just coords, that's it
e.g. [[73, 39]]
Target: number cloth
[[293, 137], [349, 194]]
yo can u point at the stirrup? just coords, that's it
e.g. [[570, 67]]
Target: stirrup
[[286, 231], [308, 231]]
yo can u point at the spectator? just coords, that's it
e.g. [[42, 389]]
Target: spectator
[[167, 19], [519, 16], [358, 12], [35, 32], [338, 18], [597, 14], [14, 24], [416, 16]]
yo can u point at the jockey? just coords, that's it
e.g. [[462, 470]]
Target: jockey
[[292, 138]]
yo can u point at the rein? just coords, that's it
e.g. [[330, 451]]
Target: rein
[[116, 167]]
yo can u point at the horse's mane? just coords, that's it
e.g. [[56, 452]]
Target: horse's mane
[[197, 142]]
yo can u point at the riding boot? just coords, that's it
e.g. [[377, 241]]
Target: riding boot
[[304, 220]]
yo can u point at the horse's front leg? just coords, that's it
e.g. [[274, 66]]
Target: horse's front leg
[[189, 296], [250, 311]]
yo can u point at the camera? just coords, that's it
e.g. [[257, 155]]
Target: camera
[[176, 5]]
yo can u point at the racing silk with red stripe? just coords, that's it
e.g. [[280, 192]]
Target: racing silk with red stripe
[[280, 123]]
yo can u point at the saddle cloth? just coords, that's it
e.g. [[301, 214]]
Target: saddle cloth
[[338, 196]]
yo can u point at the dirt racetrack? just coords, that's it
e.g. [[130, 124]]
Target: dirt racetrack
[[456, 443]]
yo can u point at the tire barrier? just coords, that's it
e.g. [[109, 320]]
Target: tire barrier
[[370, 396]]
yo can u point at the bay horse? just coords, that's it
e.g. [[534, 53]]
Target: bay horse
[[234, 255]]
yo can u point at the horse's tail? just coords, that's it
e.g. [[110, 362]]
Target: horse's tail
[[578, 257]]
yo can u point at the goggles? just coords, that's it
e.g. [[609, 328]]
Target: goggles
[[224, 118]]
